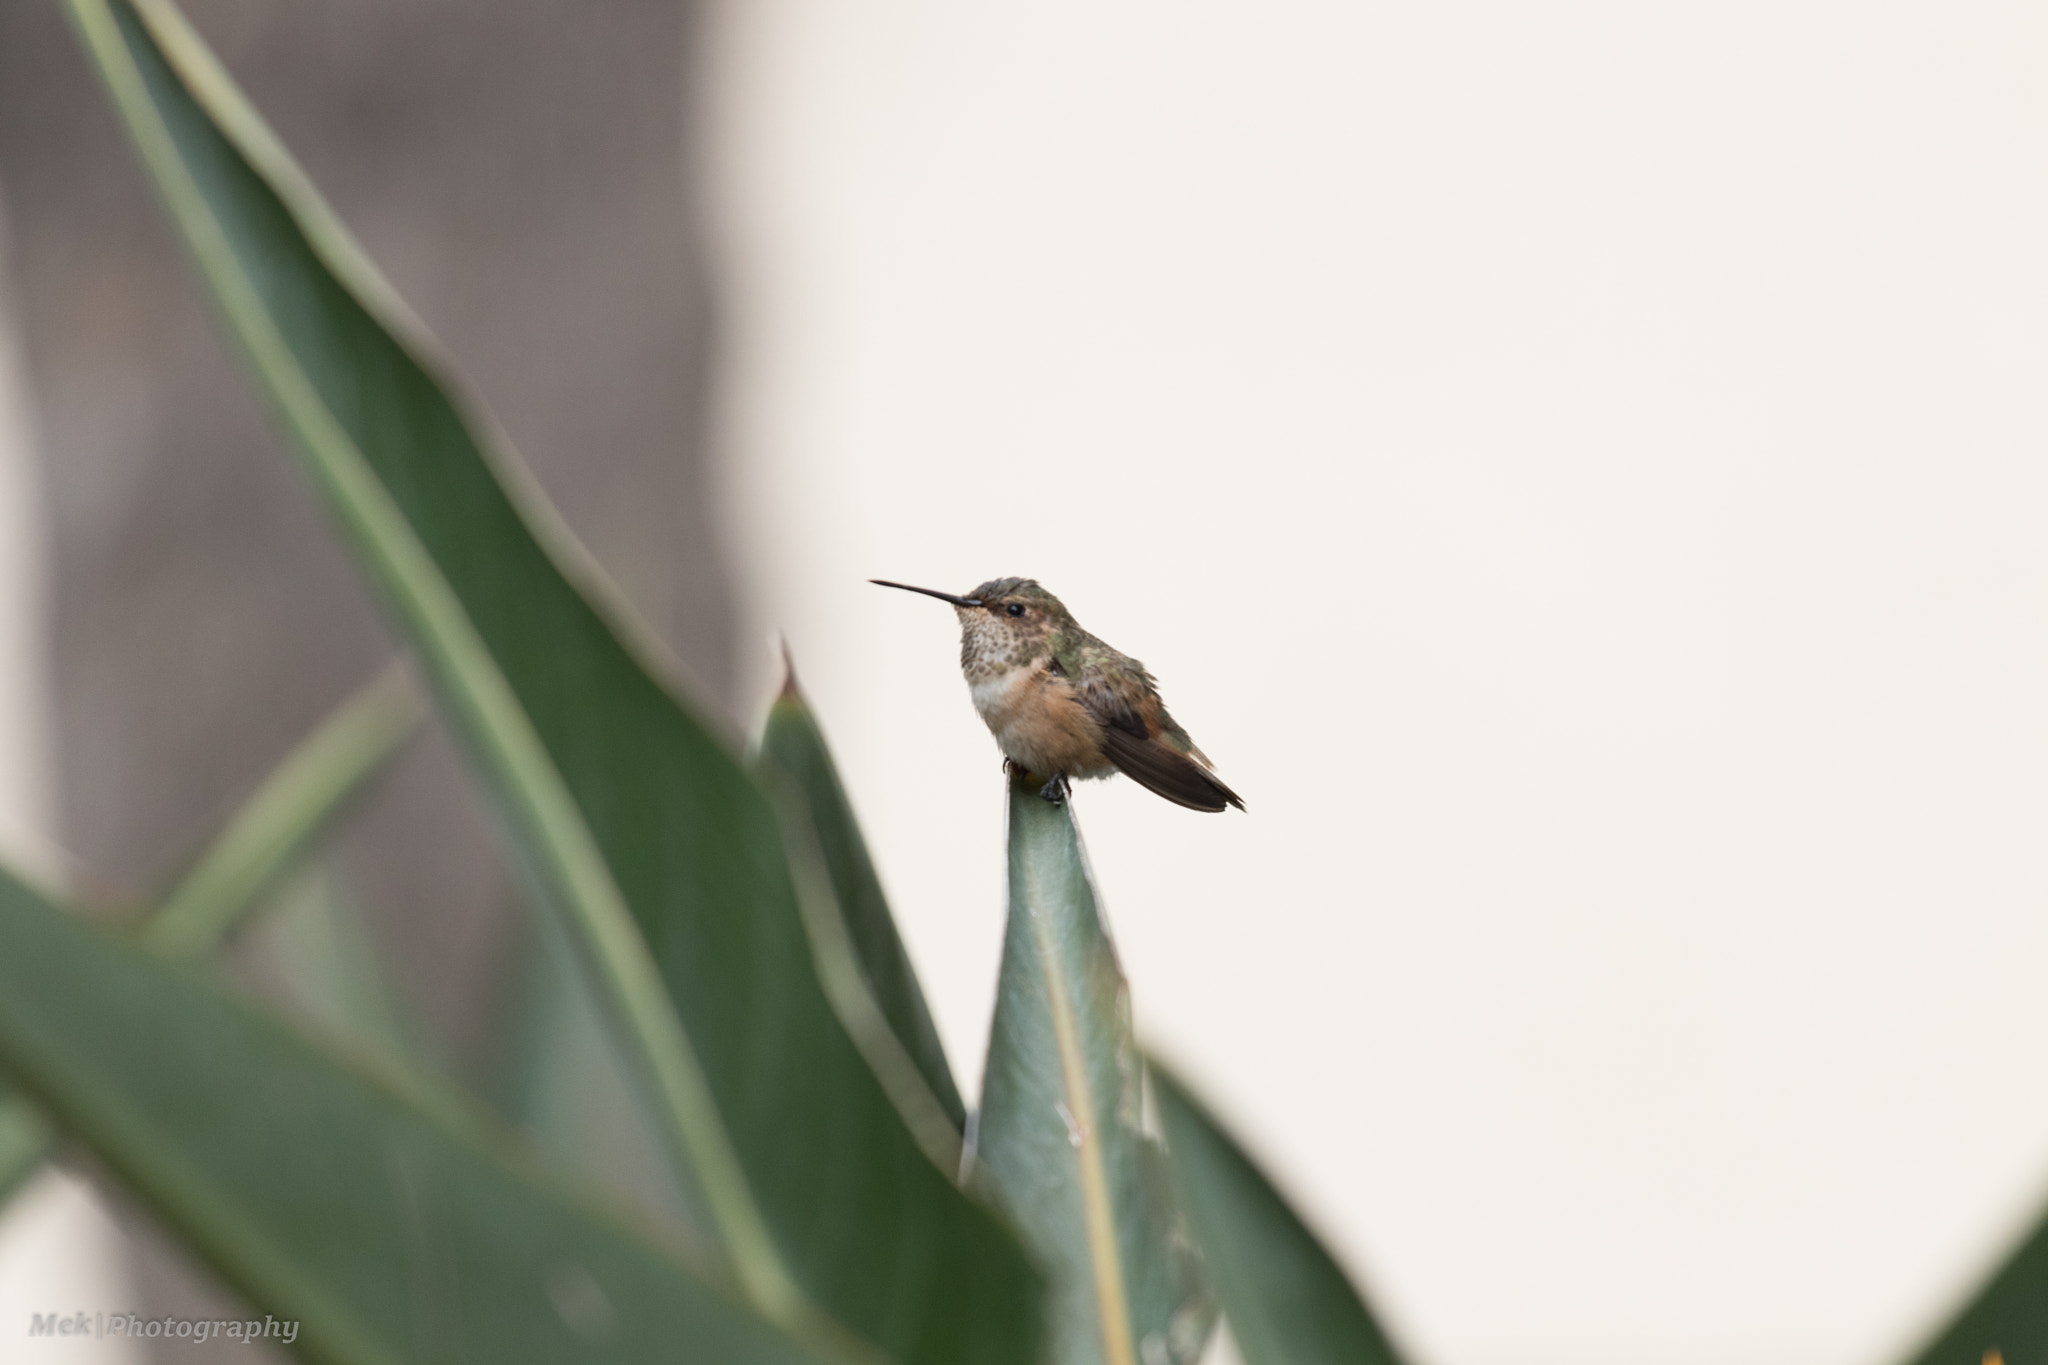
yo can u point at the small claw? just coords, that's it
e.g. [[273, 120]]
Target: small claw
[[1055, 789]]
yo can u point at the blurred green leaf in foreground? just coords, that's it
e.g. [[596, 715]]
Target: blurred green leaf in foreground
[[391, 1225], [262, 842], [655, 853], [1287, 1301]]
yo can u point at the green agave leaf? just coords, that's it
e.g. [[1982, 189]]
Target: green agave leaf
[[24, 1142], [1059, 1142], [269, 833], [792, 742], [1284, 1296], [637, 825], [389, 1230], [561, 1081], [344, 387], [2008, 1320]]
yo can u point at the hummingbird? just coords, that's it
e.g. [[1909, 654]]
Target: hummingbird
[[1062, 704]]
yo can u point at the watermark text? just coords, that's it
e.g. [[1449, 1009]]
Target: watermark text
[[101, 1326]]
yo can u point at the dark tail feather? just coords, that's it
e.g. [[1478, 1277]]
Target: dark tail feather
[[1173, 775]]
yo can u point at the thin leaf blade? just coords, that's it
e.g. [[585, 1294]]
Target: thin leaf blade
[[1287, 1301], [1060, 1141], [272, 830]]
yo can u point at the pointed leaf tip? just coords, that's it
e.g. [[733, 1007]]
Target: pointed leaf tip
[[796, 759]]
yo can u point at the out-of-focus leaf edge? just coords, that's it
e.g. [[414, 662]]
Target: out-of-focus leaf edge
[[1285, 1297], [2007, 1316], [24, 1141], [134, 1055]]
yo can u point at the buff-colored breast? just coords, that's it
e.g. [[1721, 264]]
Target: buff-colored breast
[[1039, 723]]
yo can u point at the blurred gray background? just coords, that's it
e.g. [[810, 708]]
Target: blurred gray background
[[521, 171]]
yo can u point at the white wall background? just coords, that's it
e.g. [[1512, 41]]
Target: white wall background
[[1579, 471]]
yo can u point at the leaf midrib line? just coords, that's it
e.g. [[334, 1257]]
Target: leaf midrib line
[[1104, 1259]]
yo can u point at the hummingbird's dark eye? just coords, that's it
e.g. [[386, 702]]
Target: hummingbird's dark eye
[[1015, 609]]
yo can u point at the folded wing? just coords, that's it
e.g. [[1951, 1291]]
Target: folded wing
[[1155, 766]]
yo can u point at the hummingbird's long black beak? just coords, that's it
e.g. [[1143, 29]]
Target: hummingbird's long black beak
[[930, 592]]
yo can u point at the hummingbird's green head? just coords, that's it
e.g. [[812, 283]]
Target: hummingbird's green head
[[1004, 624]]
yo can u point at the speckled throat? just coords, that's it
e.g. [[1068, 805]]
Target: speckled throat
[[992, 645]]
